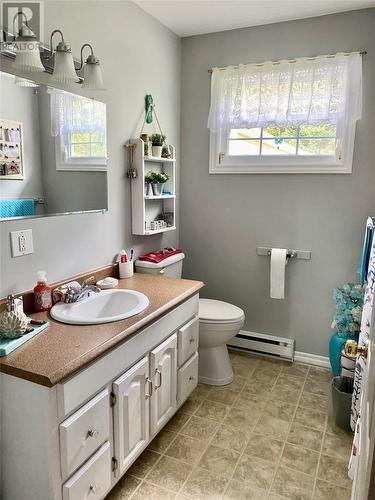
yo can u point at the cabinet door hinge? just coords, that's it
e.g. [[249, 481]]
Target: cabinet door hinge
[[112, 399], [221, 157], [114, 464]]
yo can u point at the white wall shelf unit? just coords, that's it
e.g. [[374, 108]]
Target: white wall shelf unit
[[148, 208]]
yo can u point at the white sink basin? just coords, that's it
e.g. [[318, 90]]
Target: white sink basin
[[102, 307]]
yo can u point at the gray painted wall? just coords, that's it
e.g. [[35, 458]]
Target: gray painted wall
[[138, 56], [225, 217]]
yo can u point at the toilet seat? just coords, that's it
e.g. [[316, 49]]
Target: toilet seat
[[219, 312]]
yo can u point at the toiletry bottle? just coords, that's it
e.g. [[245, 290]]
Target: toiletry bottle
[[42, 293]]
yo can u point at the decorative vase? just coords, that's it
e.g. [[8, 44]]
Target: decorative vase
[[156, 151], [156, 188], [148, 190], [13, 322]]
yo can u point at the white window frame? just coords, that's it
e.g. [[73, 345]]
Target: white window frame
[[76, 164], [281, 164], [84, 164]]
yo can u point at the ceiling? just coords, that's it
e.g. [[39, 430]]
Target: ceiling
[[194, 17]]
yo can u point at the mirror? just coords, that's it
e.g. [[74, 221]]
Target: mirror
[[53, 151]]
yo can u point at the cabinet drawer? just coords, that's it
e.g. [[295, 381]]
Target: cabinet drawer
[[188, 336], [187, 378], [83, 432], [93, 480]]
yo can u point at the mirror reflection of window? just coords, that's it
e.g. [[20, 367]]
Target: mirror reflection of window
[[79, 125]]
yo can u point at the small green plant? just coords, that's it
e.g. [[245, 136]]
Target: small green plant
[[165, 152], [162, 177], [158, 139], [156, 177], [149, 178], [145, 148]]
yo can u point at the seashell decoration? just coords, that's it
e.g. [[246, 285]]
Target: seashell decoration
[[13, 322]]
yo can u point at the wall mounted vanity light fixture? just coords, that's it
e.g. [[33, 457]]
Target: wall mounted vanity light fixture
[[26, 46], [92, 72], [28, 54], [64, 70]]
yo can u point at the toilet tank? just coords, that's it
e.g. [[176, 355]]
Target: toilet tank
[[171, 266]]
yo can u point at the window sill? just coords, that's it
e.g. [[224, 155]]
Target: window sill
[[81, 167], [282, 166]]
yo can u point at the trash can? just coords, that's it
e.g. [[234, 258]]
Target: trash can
[[340, 402]]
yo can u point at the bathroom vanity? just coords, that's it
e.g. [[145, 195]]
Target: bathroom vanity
[[80, 403]]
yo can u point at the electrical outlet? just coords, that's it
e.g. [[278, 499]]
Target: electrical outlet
[[21, 242]]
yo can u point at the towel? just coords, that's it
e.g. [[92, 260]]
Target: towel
[[160, 255], [16, 208]]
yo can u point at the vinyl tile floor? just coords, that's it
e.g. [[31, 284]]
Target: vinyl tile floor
[[263, 437]]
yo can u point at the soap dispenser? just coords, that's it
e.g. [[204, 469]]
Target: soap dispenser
[[42, 293]]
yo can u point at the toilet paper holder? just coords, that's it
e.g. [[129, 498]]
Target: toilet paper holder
[[291, 254]]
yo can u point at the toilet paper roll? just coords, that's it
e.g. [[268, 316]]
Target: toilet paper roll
[[277, 276]]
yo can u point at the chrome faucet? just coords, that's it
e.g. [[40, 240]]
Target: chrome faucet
[[86, 289]]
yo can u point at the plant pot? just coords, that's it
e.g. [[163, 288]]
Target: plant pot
[[149, 190], [156, 188], [156, 151]]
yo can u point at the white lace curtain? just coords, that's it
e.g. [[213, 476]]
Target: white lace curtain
[[70, 112], [326, 89]]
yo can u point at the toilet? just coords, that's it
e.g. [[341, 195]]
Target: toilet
[[219, 322]]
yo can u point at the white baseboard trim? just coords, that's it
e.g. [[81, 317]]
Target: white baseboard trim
[[311, 359]]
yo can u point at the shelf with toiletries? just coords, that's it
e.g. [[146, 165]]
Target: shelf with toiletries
[[157, 231], [153, 191], [160, 197]]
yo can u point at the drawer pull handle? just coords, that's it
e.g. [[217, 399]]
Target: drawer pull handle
[[192, 340], [93, 488], [149, 382], [191, 377], [92, 433], [158, 372]]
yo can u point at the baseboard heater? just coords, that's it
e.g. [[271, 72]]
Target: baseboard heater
[[261, 343]]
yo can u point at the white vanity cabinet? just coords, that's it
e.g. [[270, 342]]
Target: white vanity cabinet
[[77, 438], [164, 372], [131, 413]]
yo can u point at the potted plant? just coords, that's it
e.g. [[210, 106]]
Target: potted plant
[[157, 144], [157, 183], [149, 179], [165, 152]]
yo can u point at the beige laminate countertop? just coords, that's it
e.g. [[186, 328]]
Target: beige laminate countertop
[[61, 350]]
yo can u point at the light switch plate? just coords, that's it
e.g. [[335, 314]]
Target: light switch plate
[[21, 242]]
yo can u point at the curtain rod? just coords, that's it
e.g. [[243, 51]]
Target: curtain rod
[[329, 56]]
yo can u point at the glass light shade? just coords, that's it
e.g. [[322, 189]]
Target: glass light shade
[[64, 70], [28, 56], [23, 82], [92, 77]]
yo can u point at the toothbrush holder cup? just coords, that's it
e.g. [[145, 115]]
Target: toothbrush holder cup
[[126, 269]]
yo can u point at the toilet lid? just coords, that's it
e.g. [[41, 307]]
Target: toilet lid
[[218, 311]]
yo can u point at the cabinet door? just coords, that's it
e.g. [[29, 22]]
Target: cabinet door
[[163, 371], [131, 414]]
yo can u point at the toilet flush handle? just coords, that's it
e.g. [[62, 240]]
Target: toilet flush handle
[[162, 271]]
